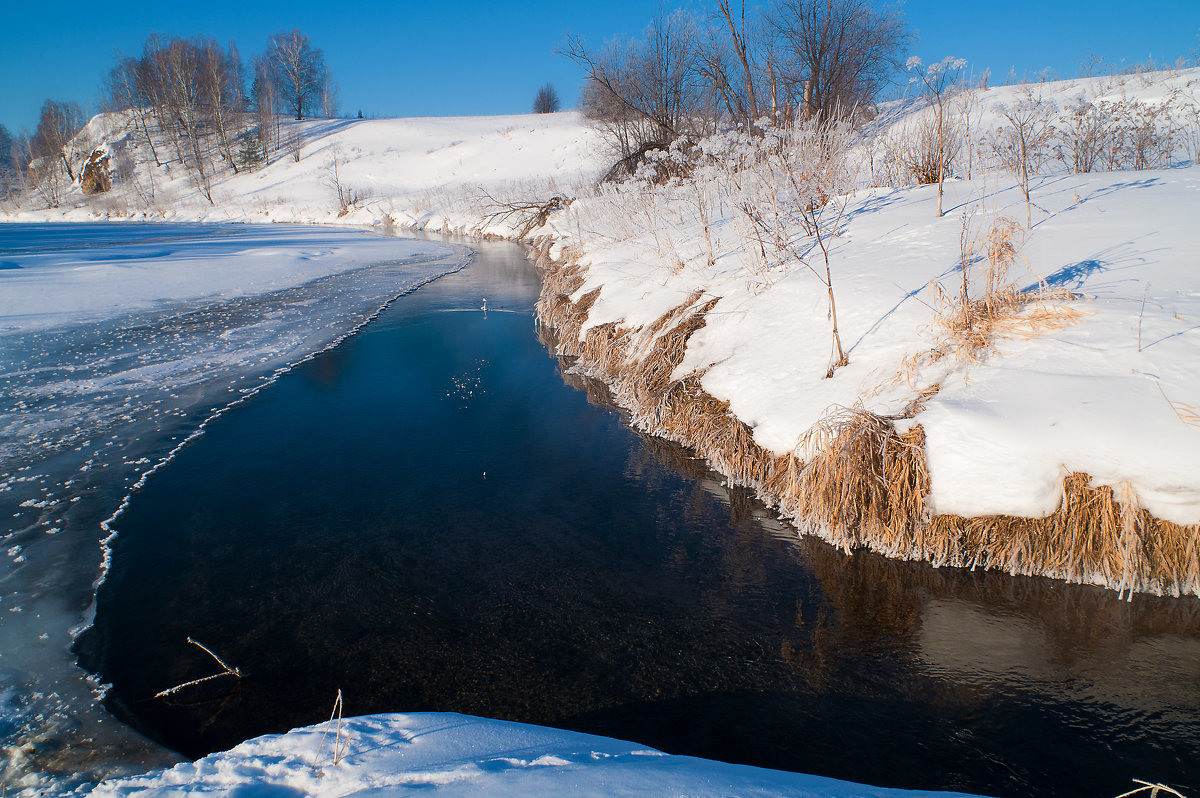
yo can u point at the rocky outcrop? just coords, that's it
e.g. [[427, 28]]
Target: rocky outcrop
[[95, 177]]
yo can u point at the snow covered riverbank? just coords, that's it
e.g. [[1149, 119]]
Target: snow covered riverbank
[[1090, 390], [451, 754]]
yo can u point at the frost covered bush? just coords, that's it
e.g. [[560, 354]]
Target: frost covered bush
[[923, 155]]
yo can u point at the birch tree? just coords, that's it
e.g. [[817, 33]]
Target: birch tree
[[298, 70]]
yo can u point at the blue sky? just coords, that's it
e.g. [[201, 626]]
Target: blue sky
[[457, 58]]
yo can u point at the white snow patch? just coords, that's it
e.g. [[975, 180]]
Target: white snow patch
[[459, 755]]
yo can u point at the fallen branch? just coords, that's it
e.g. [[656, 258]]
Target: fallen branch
[[530, 214]]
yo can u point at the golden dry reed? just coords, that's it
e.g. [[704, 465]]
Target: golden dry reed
[[855, 479]]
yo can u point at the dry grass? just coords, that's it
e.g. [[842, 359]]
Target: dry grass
[[339, 745], [858, 481], [1188, 414], [969, 325]]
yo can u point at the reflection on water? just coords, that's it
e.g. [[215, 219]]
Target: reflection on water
[[428, 518]]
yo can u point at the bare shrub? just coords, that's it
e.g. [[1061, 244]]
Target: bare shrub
[[347, 197], [969, 108], [839, 54], [50, 180], [1021, 142], [994, 306], [938, 83], [1082, 134], [789, 186], [1143, 133], [293, 142], [924, 150], [546, 100]]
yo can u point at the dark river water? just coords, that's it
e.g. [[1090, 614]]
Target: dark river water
[[436, 516]]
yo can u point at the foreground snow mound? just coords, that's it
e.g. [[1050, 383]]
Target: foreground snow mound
[[453, 754]]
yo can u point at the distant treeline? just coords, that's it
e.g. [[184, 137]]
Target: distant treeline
[[192, 102]]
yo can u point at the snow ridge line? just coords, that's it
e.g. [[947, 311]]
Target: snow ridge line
[[864, 484], [107, 525]]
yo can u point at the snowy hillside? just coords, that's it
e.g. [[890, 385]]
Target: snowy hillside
[[428, 172]]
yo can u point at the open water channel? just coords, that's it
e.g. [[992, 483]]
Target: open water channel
[[438, 515]]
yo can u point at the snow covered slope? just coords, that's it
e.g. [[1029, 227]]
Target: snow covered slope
[[430, 173], [459, 755]]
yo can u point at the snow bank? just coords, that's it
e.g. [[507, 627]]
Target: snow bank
[[459, 755]]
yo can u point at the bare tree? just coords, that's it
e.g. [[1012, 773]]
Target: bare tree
[[843, 52], [938, 83], [723, 57], [124, 93], [221, 94], [186, 97], [1021, 143], [647, 92], [57, 125], [265, 100], [298, 70], [9, 165], [177, 68], [546, 100], [329, 96]]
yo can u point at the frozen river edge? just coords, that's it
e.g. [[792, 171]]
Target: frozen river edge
[[101, 389]]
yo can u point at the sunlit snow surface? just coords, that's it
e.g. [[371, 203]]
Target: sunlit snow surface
[[116, 343], [442, 753]]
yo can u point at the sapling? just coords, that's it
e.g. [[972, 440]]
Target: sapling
[[938, 82], [1021, 143]]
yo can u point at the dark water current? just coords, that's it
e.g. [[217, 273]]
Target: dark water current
[[436, 516]]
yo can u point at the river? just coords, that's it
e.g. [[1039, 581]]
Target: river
[[438, 515]]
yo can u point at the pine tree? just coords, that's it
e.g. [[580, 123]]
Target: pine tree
[[250, 155]]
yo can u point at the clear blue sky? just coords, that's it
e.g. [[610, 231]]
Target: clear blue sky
[[476, 57]]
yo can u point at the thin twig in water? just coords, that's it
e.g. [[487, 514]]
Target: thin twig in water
[[1153, 787], [228, 671]]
